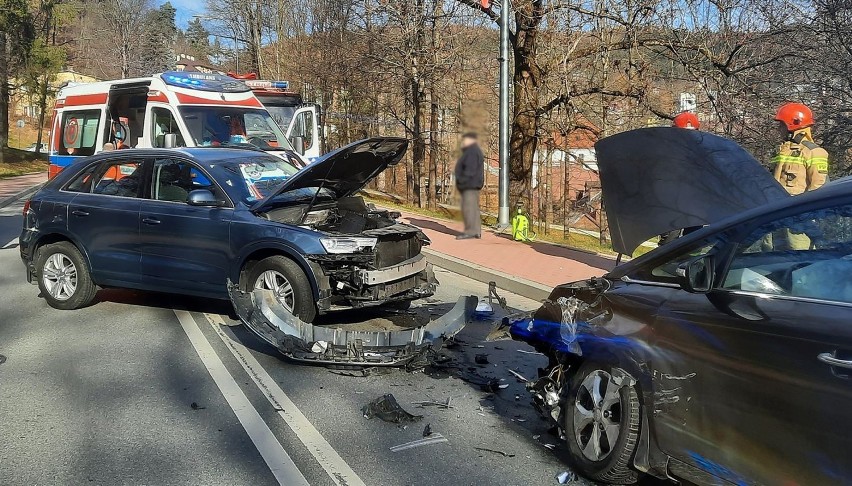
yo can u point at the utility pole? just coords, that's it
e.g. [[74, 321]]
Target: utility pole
[[503, 186]]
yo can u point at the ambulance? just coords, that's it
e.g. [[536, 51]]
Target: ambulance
[[172, 109], [299, 121]]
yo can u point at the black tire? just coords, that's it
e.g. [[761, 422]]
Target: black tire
[[613, 464], [303, 305], [84, 288]]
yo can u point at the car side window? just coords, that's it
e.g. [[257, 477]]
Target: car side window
[[83, 181], [119, 178], [666, 271], [165, 124], [174, 179], [79, 132], [804, 255]]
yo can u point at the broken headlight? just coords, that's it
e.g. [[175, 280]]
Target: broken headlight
[[313, 218], [347, 244]]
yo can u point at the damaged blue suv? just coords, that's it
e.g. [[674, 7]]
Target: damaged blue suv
[[190, 220]]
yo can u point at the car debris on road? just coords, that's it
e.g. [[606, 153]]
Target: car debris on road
[[262, 313], [435, 438], [388, 409]]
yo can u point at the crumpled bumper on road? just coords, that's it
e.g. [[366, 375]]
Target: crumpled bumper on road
[[260, 311]]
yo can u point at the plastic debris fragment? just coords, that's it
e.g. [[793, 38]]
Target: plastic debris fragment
[[495, 451], [566, 477], [435, 438], [388, 409]]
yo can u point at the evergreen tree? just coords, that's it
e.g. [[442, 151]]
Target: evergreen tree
[[159, 39], [198, 40]]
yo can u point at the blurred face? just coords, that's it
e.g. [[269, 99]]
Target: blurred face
[[467, 142]]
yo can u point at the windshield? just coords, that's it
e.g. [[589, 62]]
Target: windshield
[[230, 126], [282, 115], [261, 175]]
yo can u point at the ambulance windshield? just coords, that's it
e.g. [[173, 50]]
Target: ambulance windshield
[[229, 126]]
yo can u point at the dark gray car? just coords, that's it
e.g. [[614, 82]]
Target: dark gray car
[[724, 357]]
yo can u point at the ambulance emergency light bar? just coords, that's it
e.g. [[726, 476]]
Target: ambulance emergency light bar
[[264, 84], [204, 82]]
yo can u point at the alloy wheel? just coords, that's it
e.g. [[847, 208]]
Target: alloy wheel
[[597, 415], [278, 283], [59, 276]]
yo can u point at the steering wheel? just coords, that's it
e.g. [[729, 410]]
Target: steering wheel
[[259, 142]]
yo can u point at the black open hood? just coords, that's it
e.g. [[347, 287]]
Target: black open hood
[[346, 170], [657, 180]]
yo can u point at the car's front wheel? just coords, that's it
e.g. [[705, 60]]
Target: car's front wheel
[[286, 279], [63, 276], [602, 419]]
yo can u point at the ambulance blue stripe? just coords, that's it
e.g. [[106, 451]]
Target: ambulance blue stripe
[[62, 160]]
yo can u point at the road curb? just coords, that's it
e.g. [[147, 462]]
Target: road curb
[[517, 285], [14, 197]]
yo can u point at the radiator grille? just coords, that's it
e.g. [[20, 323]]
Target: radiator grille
[[393, 250]]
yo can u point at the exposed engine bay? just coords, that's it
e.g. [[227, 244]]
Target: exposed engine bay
[[371, 258]]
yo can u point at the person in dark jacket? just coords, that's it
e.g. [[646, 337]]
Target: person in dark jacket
[[470, 177]]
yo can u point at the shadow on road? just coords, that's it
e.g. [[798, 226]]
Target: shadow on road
[[165, 301], [433, 225]]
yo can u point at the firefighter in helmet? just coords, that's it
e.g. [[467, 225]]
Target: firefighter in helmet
[[800, 165], [686, 119]]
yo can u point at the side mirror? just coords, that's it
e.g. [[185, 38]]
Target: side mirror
[[298, 144], [696, 275], [203, 197], [170, 140]]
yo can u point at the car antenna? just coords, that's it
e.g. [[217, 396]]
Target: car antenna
[[316, 193]]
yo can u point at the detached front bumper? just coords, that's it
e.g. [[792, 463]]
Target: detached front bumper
[[260, 311]]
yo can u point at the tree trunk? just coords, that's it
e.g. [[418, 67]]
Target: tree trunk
[[418, 152], [526, 80], [42, 108], [4, 94], [433, 152]]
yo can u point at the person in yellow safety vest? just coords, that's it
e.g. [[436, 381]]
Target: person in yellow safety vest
[[800, 164], [521, 225]]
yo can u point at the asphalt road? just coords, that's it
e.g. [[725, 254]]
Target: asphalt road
[[144, 388]]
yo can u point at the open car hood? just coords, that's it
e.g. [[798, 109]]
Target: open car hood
[[346, 170], [657, 180]]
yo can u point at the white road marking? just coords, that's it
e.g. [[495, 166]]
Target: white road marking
[[279, 462], [10, 244], [326, 456]]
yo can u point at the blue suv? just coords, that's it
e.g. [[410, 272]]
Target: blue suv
[[191, 220]]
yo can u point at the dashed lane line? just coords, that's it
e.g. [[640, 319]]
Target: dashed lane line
[[279, 462], [338, 470]]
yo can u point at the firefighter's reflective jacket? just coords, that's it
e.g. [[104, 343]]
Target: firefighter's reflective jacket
[[801, 165]]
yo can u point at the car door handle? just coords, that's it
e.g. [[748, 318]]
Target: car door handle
[[151, 221], [77, 212], [828, 358]]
